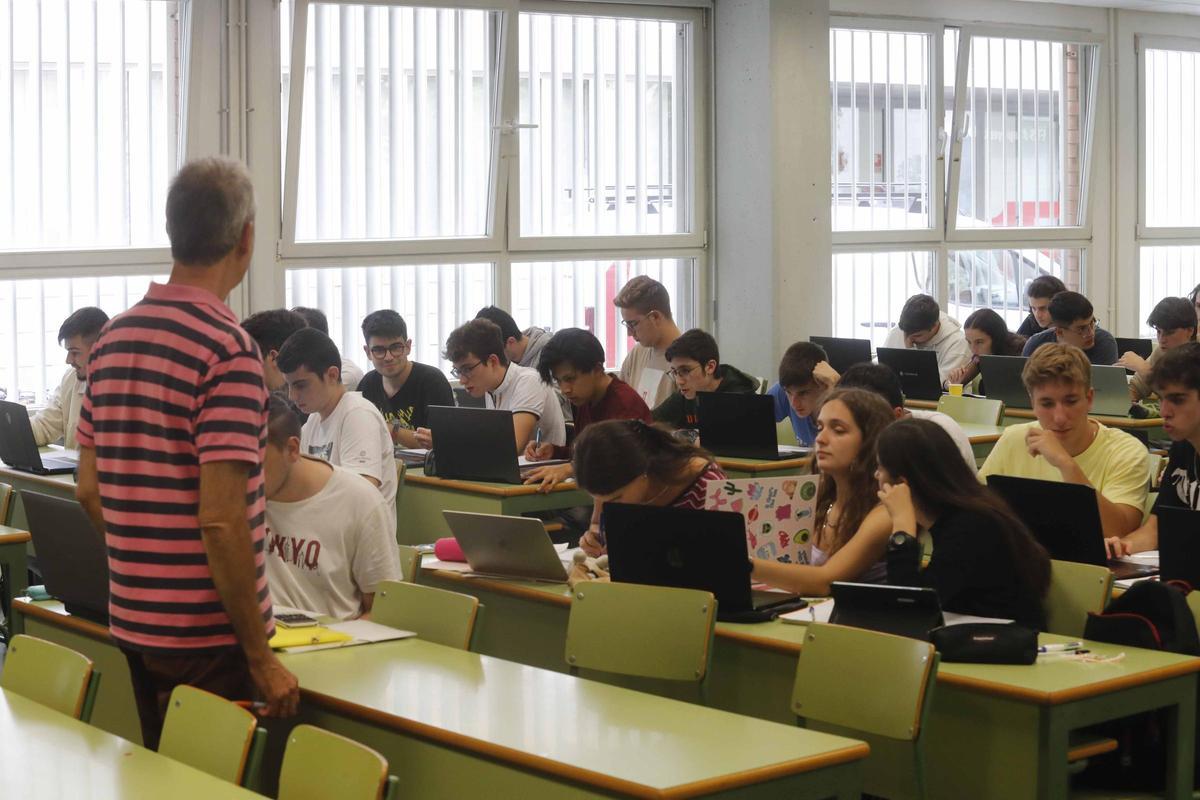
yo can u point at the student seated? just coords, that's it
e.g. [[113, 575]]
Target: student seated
[[60, 418], [1072, 322], [343, 427], [985, 561], [1174, 322], [270, 329], [329, 535], [1176, 379], [646, 314], [883, 381], [351, 373], [1038, 293], [573, 360], [628, 461], [987, 335], [1067, 445], [402, 390], [696, 367], [477, 352], [850, 528], [520, 347], [923, 326], [805, 377]]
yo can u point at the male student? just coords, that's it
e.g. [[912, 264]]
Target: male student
[[60, 418], [1176, 379], [805, 377], [573, 360], [1067, 445], [1073, 322], [1174, 323], [330, 539], [270, 330], [477, 352], [646, 314], [923, 326], [696, 367], [1038, 293], [520, 347], [343, 428], [402, 389], [351, 373]]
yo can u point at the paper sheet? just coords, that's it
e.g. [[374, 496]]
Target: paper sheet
[[821, 610]]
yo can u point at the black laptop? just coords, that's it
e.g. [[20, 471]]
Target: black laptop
[[918, 371], [739, 425], [1143, 347], [689, 549], [1179, 545], [19, 450], [844, 353], [1002, 377], [71, 554], [911, 611], [1065, 518], [475, 444]]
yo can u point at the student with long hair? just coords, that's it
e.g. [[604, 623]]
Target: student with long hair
[[987, 335], [850, 528], [985, 562], [628, 461]]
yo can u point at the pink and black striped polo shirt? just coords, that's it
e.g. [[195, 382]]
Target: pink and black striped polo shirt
[[173, 383]]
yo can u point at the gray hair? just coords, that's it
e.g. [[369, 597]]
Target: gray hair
[[208, 206]]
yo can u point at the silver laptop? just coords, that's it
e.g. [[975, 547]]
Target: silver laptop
[[506, 547], [1112, 391]]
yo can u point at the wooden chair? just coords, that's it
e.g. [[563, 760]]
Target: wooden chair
[[213, 735], [972, 410], [52, 675], [1075, 590], [435, 615], [318, 765], [410, 563], [872, 686]]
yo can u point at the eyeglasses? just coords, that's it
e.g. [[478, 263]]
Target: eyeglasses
[[681, 372], [395, 349], [1081, 330], [631, 324], [464, 371]]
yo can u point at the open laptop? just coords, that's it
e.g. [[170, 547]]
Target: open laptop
[[844, 353], [1143, 347], [18, 448], [476, 444], [901, 610], [71, 554], [1002, 378], [506, 547], [1179, 545], [740, 425], [689, 549], [1065, 518], [918, 371], [1111, 397]]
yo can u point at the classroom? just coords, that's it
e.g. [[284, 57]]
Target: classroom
[[385, 386]]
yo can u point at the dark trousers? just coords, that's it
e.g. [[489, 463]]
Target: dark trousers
[[155, 676]]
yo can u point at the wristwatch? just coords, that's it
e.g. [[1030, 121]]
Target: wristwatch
[[900, 540]]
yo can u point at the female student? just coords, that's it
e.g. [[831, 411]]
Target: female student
[[987, 335], [984, 562], [628, 461], [850, 528]]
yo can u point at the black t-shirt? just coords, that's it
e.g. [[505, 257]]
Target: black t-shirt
[[1029, 326], [426, 386], [1180, 487]]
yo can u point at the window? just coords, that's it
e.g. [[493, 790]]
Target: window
[[1165, 271], [997, 279], [870, 288]]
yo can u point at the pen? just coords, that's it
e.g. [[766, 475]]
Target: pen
[[537, 438], [1059, 648]]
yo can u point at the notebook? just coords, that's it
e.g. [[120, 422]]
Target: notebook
[[19, 449], [778, 513], [506, 547], [918, 371], [739, 425], [476, 444], [844, 353]]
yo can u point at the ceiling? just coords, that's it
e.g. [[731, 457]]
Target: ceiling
[[1161, 6]]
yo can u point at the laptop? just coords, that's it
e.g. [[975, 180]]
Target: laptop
[[844, 353], [506, 547], [71, 554], [1111, 397], [1002, 377], [740, 425], [1143, 347], [19, 450], [1065, 519], [690, 549], [900, 610], [1179, 545], [477, 444], [918, 371]]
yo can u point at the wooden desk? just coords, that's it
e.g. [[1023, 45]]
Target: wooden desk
[[50, 756], [1014, 416], [13, 571], [765, 468]]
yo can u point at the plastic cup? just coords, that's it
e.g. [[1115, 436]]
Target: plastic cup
[[956, 389]]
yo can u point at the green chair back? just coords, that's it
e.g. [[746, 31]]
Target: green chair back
[[645, 631], [213, 735], [435, 615], [6, 498], [1075, 590], [52, 675], [972, 410], [318, 765], [410, 563], [784, 432]]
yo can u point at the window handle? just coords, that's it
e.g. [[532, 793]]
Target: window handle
[[509, 127]]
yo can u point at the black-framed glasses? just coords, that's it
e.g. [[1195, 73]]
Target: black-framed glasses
[[395, 349], [1082, 330], [464, 371], [681, 372]]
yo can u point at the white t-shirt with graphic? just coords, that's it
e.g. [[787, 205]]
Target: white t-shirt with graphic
[[326, 552], [355, 437]]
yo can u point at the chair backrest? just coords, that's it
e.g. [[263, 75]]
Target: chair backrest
[[50, 674], [1075, 590], [972, 410], [784, 432], [6, 497], [647, 631], [401, 471], [209, 733], [410, 563], [318, 765], [435, 615]]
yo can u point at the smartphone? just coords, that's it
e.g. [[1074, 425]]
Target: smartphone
[[295, 620]]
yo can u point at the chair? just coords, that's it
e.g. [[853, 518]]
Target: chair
[[1075, 590], [213, 735], [6, 497], [318, 765], [873, 686], [784, 432], [52, 675], [410, 563], [972, 410], [401, 471], [435, 615]]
